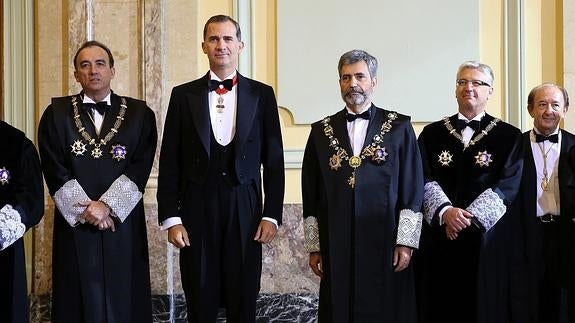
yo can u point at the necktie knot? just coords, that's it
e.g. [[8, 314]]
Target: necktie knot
[[351, 116], [101, 107], [552, 138], [461, 124]]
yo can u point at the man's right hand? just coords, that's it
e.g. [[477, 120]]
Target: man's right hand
[[178, 236], [457, 219], [315, 262]]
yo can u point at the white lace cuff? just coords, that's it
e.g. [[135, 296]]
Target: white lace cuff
[[67, 200], [433, 198], [409, 228], [11, 226], [487, 208], [122, 197], [311, 234]]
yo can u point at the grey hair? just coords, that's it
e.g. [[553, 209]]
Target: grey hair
[[475, 65], [357, 55]]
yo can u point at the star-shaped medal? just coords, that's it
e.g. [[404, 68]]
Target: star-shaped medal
[[118, 152], [97, 152], [379, 154], [4, 176], [78, 148], [483, 158], [445, 158]]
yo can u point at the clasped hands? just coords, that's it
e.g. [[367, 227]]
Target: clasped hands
[[455, 220], [97, 213]]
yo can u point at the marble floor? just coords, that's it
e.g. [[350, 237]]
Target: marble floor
[[273, 307]]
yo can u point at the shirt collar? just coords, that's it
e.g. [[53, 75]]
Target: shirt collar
[[107, 99]]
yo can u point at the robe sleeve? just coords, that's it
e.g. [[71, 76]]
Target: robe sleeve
[[26, 206], [29, 189], [11, 226], [434, 198], [65, 190], [410, 190], [311, 184], [492, 203], [126, 191]]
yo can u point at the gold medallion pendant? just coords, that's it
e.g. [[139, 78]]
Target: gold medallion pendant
[[545, 184], [355, 162]]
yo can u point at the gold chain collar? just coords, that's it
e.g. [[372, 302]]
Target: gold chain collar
[[373, 150], [473, 141], [78, 148]]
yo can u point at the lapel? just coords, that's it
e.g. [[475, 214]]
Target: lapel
[[374, 126], [85, 117], [197, 102], [483, 123], [563, 167], [247, 105], [110, 116], [529, 170], [339, 125]]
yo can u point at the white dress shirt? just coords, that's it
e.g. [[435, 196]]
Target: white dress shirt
[[547, 201], [97, 118], [357, 130]]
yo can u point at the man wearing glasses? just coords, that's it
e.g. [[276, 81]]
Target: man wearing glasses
[[472, 171]]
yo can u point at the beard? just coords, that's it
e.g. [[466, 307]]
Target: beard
[[355, 98]]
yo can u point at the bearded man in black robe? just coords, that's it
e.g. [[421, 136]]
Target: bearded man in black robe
[[362, 185]]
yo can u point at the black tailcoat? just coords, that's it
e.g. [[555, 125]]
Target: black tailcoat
[[184, 186], [358, 228], [99, 276], [25, 192], [528, 270]]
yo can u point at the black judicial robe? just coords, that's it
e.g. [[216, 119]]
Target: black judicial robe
[[99, 276], [467, 279], [528, 238], [358, 228], [24, 190]]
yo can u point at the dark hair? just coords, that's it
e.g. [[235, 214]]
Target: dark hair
[[531, 95], [357, 55], [94, 43], [223, 18]]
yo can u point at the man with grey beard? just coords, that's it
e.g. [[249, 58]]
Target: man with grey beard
[[362, 186]]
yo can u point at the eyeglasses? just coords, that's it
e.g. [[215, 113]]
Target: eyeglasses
[[474, 83]]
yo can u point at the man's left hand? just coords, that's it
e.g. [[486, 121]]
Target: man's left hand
[[401, 257], [266, 232]]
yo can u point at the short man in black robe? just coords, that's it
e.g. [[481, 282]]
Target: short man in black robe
[[97, 150], [362, 186], [545, 280], [21, 207], [472, 169], [221, 148]]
